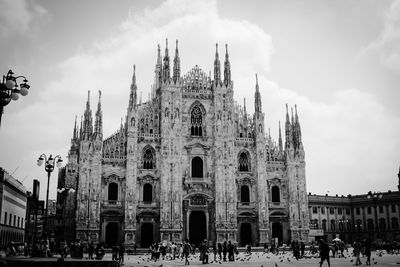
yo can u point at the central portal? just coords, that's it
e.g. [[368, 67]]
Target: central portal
[[197, 227]]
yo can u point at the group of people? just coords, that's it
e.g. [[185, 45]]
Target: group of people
[[118, 253]]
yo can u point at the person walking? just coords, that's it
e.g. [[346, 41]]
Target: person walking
[[367, 249], [91, 251], [219, 251], [356, 251], [225, 250], [186, 251], [121, 253], [324, 252]]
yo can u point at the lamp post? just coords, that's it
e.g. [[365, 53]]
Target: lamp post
[[9, 90], [375, 197], [66, 192], [49, 167]]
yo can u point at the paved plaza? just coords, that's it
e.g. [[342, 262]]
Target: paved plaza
[[266, 260]]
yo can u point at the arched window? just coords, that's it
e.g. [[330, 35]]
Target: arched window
[[324, 224], [382, 224], [333, 225], [348, 225], [359, 225], [196, 122], [147, 193], [370, 225], [112, 192], [148, 160], [197, 167], [275, 194], [395, 223], [243, 162], [341, 228], [245, 194]]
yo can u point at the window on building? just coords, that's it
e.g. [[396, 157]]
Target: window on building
[[244, 194], [393, 208], [331, 210], [243, 162], [148, 159], [347, 211], [147, 193], [357, 211], [339, 211], [359, 225], [370, 225], [382, 224], [15, 220], [369, 210], [341, 228], [5, 217], [18, 222], [324, 224], [333, 225], [10, 220], [314, 224], [196, 128], [113, 192], [276, 197], [322, 210], [22, 222], [380, 209], [314, 210], [197, 167], [395, 223]]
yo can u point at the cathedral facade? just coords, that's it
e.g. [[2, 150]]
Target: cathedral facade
[[188, 163]]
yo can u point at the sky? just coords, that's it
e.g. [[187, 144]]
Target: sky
[[339, 61]]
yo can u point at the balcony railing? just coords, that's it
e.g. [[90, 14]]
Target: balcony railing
[[112, 203], [147, 204], [276, 205], [246, 205]]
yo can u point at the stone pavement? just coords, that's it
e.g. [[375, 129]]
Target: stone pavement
[[258, 259]]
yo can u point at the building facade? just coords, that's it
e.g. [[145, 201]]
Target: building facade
[[12, 209], [374, 215], [188, 163]]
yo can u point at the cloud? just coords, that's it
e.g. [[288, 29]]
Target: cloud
[[387, 43], [18, 16]]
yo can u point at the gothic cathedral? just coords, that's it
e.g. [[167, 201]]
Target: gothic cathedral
[[189, 163]]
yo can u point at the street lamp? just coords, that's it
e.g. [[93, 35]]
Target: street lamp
[[9, 90], [375, 197], [66, 192], [49, 167]]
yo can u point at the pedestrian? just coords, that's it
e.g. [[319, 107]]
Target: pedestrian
[[231, 249], [356, 251], [173, 250], [324, 252], [367, 249], [186, 251], [121, 253], [302, 249], [214, 248], [114, 255], [225, 250], [91, 250], [219, 251]]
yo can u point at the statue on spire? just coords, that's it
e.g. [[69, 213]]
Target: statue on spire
[[227, 67], [177, 65], [217, 67]]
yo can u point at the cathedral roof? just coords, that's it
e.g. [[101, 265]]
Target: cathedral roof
[[196, 78]]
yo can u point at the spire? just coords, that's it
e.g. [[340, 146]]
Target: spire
[[166, 69], [98, 128], [280, 137], [217, 67], [158, 69], [244, 107], [227, 67], [177, 64], [288, 130], [81, 129], [87, 121], [133, 93], [75, 134], [298, 128], [257, 98]]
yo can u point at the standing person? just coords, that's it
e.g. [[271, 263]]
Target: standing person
[[91, 250], [214, 248], [121, 253], [225, 250], [173, 250], [324, 252], [114, 253], [231, 248], [367, 249], [356, 251], [302, 248], [186, 251], [219, 251]]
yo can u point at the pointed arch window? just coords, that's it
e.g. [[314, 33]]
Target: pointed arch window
[[244, 194], [275, 194], [244, 162], [148, 159], [112, 192], [196, 122]]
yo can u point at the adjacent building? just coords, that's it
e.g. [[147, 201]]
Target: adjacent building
[[12, 209], [189, 162]]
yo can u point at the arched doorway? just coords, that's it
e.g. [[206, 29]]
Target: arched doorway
[[245, 234], [277, 231], [197, 227], [112, 234], [146, 238]]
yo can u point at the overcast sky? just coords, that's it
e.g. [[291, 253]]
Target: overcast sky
[[339, 61]]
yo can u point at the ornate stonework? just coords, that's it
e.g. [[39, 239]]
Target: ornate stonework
[[189, 158]]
